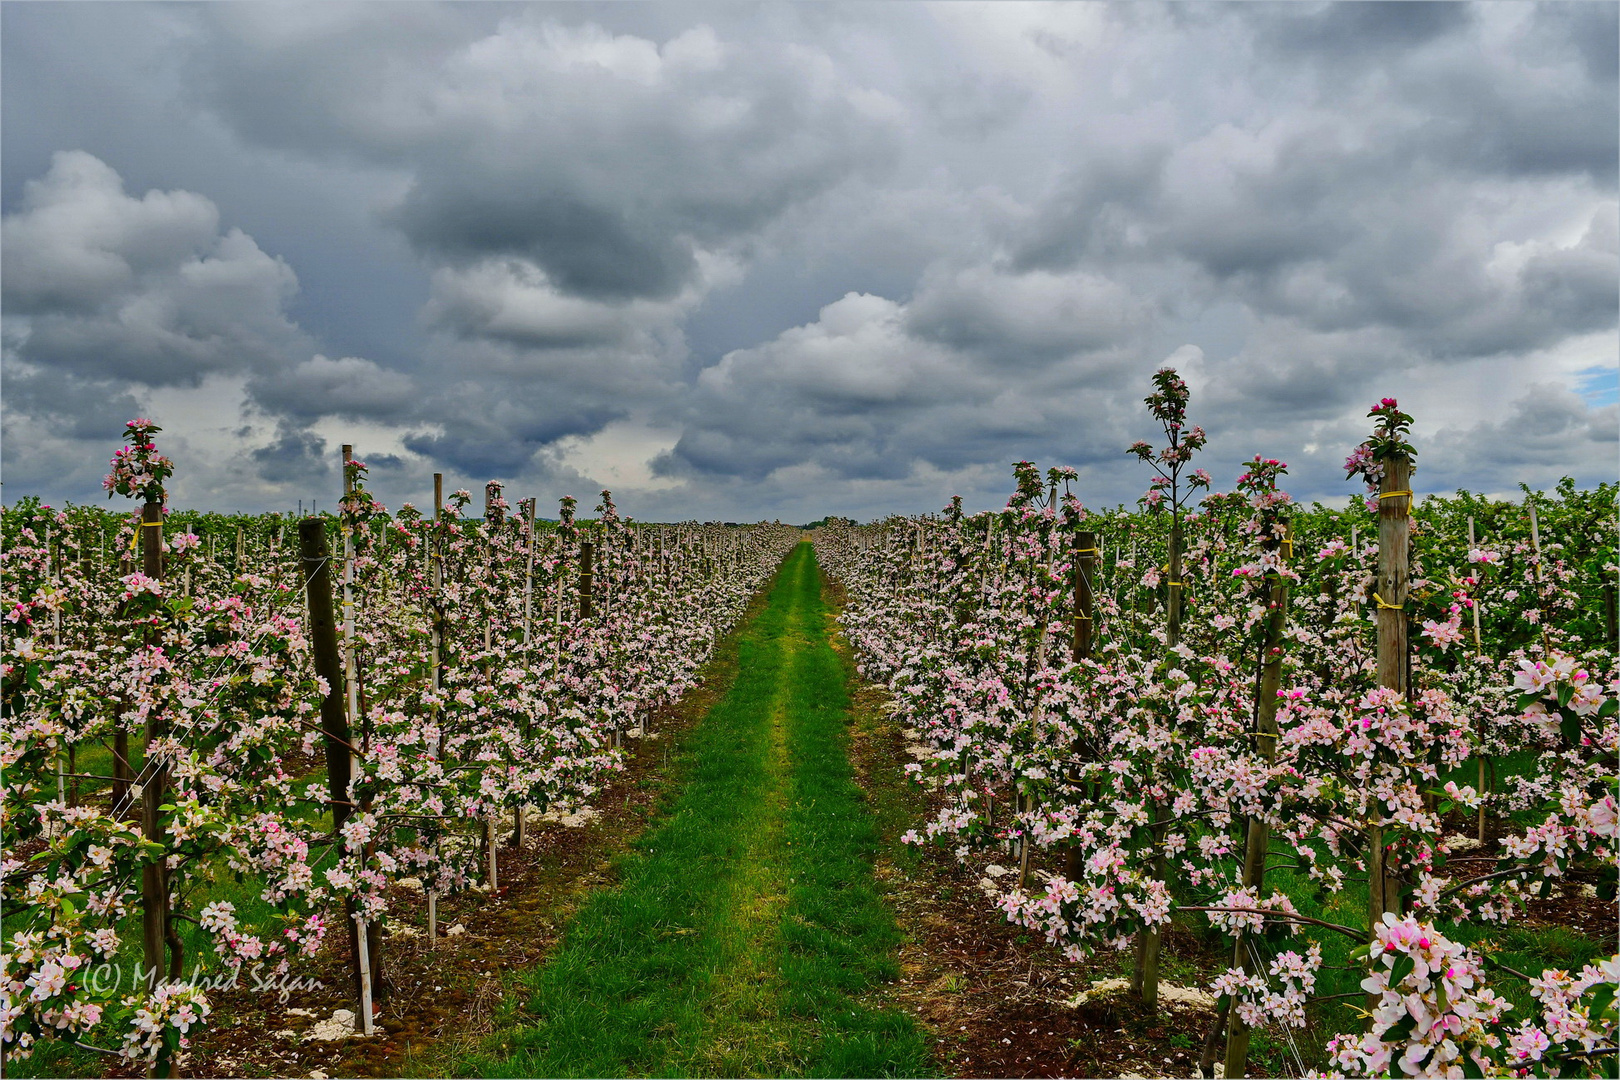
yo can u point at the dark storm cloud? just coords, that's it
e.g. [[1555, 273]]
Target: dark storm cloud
[[296, 456], [1547, 105], [605, 160], [80, 408], [1357, 31], [837, 259], [350, 387], [594, 251]]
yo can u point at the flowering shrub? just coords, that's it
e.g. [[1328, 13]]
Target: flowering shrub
[[529, 708], [1435, 1015], [1137, 769]]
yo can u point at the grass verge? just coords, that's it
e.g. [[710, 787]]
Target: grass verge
[[747, 931]]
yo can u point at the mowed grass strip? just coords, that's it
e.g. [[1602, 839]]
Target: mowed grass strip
[[747, 926]]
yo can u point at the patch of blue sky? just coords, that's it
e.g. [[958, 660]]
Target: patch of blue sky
[[1599, 385]]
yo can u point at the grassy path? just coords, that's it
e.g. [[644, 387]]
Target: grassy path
[[747, 927]]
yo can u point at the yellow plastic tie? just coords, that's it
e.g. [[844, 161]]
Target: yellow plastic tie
[[1083, 618], [1175, 584], [135, 537], [1394, 494], [1087, 551], [1386, 606]]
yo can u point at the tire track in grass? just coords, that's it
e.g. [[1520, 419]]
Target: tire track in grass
[[747, 926]]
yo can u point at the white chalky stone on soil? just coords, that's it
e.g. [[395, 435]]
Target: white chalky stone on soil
[[340, 1026]]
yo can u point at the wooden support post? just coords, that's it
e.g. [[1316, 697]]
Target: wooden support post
[[1085, 567], [1150, 940], [1258, 840], [587, 555], [492, 519], [1611, 614], [1478, 648], [520, 816], [155, 930], [1535, 544], [435, 579], [1394, 550], [1174, 589], [337, 735]]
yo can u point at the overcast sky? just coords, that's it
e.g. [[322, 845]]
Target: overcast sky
[[741, 261]]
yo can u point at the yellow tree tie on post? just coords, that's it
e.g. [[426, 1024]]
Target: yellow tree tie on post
[[135, 537]]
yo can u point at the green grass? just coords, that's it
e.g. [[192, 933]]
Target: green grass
[[747, 928]]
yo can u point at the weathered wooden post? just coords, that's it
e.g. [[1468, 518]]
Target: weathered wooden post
[[587, 555], [1174, 587], [1258, 841], [1535, 544], [436, 630], [1394, 656], [156, 933], [123, 771], [337, 736], [1085, 563], [520, 816], [1150, 940]]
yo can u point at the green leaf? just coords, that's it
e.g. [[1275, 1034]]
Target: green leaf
[[1527, 700], [1470, 1067], [1602, 998], [1608, 708], [1404, 966], [1571, 728], [1566, 694]]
